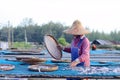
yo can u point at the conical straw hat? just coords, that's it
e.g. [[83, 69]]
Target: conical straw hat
[[76, 29]]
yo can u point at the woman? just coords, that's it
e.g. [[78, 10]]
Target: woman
[[80, 46]]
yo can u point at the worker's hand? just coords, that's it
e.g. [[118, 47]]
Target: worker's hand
[[60, 47], [73, 64]]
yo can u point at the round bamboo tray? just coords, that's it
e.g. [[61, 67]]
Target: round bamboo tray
[[61, 61], [6, 67], [43, 68], [51, 45], [31, 60], [23, 57]]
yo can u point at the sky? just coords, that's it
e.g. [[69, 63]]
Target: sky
[[100, 15]]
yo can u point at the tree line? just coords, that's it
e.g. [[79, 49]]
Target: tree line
[[35, 33]]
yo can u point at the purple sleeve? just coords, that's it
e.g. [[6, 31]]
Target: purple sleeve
[[67, 50]]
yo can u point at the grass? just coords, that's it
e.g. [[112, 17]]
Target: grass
[[22, 45]]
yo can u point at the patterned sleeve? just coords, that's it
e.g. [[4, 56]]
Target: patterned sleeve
[[85, 50]]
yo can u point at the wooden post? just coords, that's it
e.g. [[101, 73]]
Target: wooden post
[[12, 41], [9, 36], [25, 35]]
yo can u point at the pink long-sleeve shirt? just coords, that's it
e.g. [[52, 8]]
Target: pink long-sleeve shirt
[[84, 51]]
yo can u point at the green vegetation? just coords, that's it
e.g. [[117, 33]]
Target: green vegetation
[[62, 41], [22, 45], [108, 47], [105, 47], [117, 47]]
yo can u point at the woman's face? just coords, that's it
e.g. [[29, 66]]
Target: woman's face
[[77, 35]]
